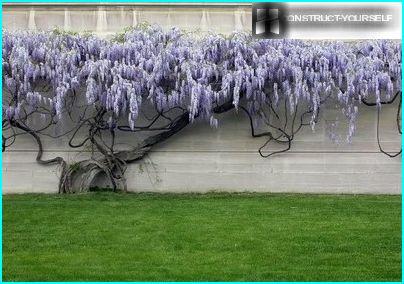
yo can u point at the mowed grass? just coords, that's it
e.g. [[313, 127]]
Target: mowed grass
[[211, 237]]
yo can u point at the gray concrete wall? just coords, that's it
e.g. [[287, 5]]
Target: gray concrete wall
[[107, 20], [201, 159]]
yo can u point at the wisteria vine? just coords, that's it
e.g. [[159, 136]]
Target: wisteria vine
[[150, 83]]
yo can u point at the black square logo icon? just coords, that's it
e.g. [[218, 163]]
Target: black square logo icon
[[269, 20]]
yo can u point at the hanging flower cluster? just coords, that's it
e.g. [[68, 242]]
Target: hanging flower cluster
[[172, 68]]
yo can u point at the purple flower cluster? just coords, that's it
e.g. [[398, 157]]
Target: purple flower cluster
[[168, 69]]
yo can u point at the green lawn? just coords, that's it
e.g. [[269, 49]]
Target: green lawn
[[228, 237]]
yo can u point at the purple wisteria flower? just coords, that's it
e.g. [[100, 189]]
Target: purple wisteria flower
[[169, 69]]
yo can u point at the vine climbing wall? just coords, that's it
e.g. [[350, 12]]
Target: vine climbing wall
[[203, 158]]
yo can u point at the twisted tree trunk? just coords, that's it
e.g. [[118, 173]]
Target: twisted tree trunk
[[80, 176]]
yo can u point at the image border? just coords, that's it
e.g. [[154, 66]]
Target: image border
[[109, 2]]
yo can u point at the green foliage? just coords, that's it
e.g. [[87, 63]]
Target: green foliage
[[211, 237], [120, 36], [59, 31]]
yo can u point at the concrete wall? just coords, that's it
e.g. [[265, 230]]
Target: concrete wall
[[107, 20], [200, 158]]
